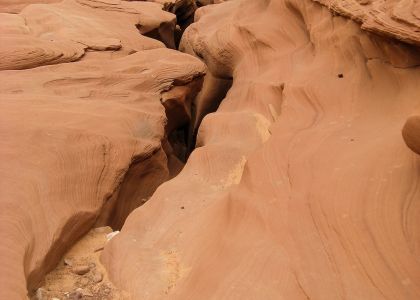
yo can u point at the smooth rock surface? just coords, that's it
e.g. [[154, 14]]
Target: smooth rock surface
[[68, 31], [79, 137], [411, 133], [301, 185]]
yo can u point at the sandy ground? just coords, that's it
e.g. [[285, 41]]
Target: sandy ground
[[63, 282]]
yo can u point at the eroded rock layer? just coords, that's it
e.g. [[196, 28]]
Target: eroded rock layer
[[75, 138], [399, 19], [74, 29], [86, 142], [301, 185]]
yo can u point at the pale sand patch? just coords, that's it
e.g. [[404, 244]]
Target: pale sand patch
[[61, 282]]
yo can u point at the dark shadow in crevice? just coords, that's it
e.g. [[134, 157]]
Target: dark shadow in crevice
[[212, 94], [184, 11], [178, 140]]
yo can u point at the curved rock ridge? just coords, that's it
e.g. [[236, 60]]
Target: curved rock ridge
[[75, 140], [301, 185], [411, 133], [398, 19], [44, 34], [15, 6]]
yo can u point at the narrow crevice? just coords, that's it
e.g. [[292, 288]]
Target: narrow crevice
[[184, 10], [180, 103], [186, 104], [207, 101], [138, 182], [145, 174], [178, 140]]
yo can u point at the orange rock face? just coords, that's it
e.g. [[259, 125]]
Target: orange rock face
[[411, 133], [15, 6], [399, 19], [301, 185], [74, 29], [298, 185], [77, 138]]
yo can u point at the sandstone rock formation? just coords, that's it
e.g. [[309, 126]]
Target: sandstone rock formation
[[77, 138], [301, 186], [15, 6], [399, 19], [74, 29], [411, 133], [298, 185]]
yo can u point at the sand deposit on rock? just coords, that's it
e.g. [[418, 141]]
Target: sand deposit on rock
[[85, 278]]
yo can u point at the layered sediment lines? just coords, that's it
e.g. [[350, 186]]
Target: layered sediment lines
[[45, 34], [301, 185], [15, 6], [75, 139], [399, 19], [83, 143]]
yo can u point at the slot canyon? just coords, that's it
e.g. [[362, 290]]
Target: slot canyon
[[209, 149]]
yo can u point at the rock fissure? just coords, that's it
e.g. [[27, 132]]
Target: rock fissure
[[139, 180], [137, 183], [132, 170]]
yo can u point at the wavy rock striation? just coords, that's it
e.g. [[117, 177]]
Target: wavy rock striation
[[301, 186], [77, 139], [74, 29], [399, 19], [15, 6]]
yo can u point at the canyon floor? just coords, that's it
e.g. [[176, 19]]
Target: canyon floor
[[209, 149]]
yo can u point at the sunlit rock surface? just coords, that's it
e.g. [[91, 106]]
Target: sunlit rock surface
[[77, 138], [301, 185], [301, 134]]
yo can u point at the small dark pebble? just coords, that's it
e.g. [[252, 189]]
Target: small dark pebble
[[182, 207], [340, 75]]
